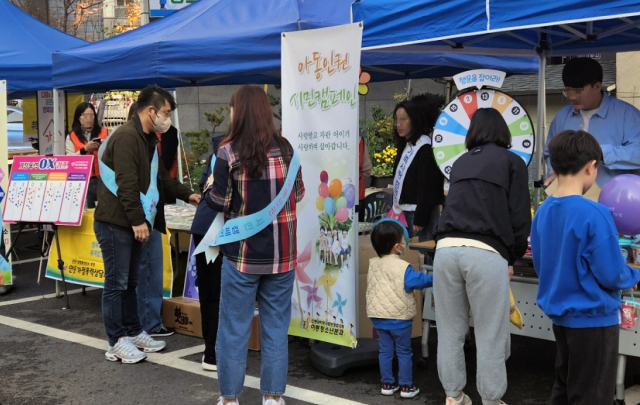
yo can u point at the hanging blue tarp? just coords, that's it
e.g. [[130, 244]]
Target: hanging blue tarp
[[230, 42], [26, 48], [500, 27]]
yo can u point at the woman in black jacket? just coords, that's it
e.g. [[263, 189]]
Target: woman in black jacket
[[417, 183], [482, 231]]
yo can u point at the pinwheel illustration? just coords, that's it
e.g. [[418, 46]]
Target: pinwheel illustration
[[312, 295], [339, 303], [301, 276], [327, 280]]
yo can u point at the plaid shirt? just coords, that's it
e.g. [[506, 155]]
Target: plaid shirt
[[272, 250]]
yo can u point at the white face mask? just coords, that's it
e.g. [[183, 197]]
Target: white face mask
[[161, 123]]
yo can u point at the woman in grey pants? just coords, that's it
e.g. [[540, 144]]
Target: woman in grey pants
[[482, 231]]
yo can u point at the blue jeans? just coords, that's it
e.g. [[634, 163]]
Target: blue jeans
[[149, 289], [237, 303], [401, 338], [427, 233], [121, 256]]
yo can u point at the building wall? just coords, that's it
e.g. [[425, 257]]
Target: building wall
[[627, 78], [193, 102]]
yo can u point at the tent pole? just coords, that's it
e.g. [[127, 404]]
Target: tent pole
[[541, 125], [180, 146], [56, 126]]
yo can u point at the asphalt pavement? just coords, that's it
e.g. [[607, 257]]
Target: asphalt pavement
[[50, 355]]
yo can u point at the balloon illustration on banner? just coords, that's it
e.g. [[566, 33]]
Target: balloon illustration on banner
[[320, 203], [329, 205], [335, 188], [350, 194], [342, 214], [622, 196], [324, 177], [323, 190]]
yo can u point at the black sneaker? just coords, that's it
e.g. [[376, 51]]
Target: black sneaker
[[409, 392], [162, 331], [389, 389], [209, 363]]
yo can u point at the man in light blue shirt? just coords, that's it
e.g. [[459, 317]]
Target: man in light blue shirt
[[614, 123]]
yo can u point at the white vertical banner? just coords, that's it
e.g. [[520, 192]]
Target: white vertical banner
[[45, 122], [5, 266], [320, 71]]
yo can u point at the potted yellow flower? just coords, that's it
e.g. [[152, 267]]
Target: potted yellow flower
[[382, 171]]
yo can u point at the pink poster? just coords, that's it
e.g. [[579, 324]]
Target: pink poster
[[49, 189]]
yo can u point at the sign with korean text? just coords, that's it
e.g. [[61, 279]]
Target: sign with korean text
[[83, 258], [49, 189], [320, 118], [46, 136]]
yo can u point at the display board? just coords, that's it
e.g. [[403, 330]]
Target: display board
[[320, 71], [47, 189], [453, 123]]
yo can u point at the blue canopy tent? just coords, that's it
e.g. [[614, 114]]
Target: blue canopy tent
[[25, 52], [501, 27], [215, 42]]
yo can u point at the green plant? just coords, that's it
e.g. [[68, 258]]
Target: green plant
[[383, 161], [217, 117], [378, 131]]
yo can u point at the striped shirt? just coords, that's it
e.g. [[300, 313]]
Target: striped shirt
[[272, 250]]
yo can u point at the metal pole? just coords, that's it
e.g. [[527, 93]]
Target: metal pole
[[144, 12], [58, 144], [541, 126], [180, 145]]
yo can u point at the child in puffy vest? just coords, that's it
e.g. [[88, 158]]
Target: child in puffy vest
[[391, 304]]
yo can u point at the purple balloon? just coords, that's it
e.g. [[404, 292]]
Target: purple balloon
[[350, 194], [622, 196]]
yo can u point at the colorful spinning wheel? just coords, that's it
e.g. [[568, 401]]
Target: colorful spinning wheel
[[453, 123]]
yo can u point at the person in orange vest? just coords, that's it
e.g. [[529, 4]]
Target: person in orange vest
[[84, 139]]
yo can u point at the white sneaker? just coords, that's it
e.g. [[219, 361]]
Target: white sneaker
[[125, 351], [146, 343], [465, 400], [221, 402], [272, 401], [208, 366]]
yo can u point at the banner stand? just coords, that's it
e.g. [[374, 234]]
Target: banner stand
[[44, 254]]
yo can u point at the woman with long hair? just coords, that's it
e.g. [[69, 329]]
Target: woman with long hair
[[482, 232], [84, 139], [252, 165], [418, 184]]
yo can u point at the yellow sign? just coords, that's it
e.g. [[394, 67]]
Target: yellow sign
[[30, 113], [83, 258]]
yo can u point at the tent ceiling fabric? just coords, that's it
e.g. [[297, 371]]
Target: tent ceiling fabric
[[25, 52], [214, 42], [500, 27]]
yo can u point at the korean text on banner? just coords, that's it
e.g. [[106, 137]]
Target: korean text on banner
[[83, 258], [46, 136], [320, 118]]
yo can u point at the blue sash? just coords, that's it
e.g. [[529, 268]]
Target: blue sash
[[234, 230], [150, 199]]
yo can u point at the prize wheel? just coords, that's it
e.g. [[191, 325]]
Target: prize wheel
[[452, 125]]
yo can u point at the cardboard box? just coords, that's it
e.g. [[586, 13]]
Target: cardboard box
[[183, 315], [365, 327]]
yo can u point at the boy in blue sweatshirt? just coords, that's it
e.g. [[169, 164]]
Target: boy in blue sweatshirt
[[391, 304], [576, 254]]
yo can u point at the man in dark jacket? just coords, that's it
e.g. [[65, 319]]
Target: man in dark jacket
[[126, 212]]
